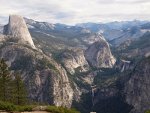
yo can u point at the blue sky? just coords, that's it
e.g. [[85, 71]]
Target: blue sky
[[76, 11]]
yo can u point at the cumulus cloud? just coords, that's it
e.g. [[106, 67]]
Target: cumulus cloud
[[76, 11]]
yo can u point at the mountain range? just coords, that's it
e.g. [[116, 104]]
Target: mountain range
[[102, 67]]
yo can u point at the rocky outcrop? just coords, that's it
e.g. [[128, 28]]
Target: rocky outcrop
[[91, 38], [18, 30], [99, 55], [40, 25], [124, 65], [74, 60], [1, 29], [137, 88], [46, 81], [131, 34], [128, 94], [2, 38]]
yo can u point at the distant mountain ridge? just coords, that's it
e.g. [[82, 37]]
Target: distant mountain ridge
[[50, 78], [70, 62], [112, 25], [118, 32]]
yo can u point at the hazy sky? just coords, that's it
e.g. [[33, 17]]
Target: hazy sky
[[76, 11]]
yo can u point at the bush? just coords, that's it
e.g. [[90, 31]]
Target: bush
[[55, 109], [148, 111], [11, 107], [24, 108], [7, 106]]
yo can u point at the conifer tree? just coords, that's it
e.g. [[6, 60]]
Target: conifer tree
[[19, 90], [5, 81]]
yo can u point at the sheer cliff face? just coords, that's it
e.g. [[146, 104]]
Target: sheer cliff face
[[137, 88], [99, 55], [130, 94], [46, 80], [18, 30]]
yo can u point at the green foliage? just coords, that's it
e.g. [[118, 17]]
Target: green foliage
[[51, 44], [55, 109], [85, 105], [11, 107], [7, 106], [24, 108], [143, 42], [11, 90], [5, 81], [106, 77], [44, 63], [22, 62], [77, 77], [147, 111], [19, 90]]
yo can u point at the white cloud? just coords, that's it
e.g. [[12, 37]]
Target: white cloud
[[76, 11]]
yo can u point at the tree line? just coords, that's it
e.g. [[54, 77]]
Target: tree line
[[12, 88]]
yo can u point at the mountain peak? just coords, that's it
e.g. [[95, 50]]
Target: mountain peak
[[17, 28]]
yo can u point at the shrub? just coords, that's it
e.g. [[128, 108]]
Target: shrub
[[7, 106], [11, 107], [55, 109], [24, 108], [148, 111]]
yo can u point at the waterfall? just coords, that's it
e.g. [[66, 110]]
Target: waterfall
[[93, 87]]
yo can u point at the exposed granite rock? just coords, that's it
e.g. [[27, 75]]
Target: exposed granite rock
[[63, 93], [18, 30], [124, 65], [74, 60], [1, 29], [77, 93], [137, 88], [2, 38], [99, 54], [46, 81], [128, 94], [92, 38]]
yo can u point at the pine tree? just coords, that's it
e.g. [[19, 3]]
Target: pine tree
[[19, 91], [5, 81]]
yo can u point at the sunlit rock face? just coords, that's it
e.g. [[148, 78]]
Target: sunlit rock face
[[45, 79], [17, 28], [45, 84], [74, 60], [99, 55]]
